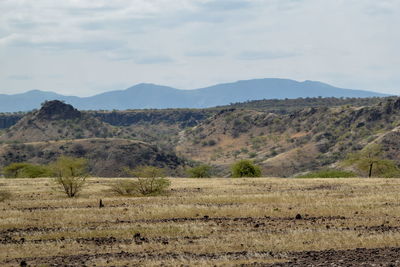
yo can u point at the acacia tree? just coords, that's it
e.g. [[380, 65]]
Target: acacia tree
[[71, 174], [370, 160]]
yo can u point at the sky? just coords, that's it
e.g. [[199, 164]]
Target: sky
[[85, 47]]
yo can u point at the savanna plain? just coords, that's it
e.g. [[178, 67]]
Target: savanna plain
[[243, 221]]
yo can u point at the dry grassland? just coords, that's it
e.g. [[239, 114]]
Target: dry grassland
[[204, 222]]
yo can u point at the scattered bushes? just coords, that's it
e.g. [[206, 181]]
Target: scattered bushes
[[329, 173], [150, 181], [26, 170], [70, 174], [245, 168], [201, 171]]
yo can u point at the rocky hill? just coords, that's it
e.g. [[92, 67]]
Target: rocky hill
[[60, 129], [56, 121], [287, 144]]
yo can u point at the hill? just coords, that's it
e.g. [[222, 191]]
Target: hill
[[144, 95], [106, 157], [59, 129], [55, 121], [288, 144]]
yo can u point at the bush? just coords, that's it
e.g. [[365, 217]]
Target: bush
[[70, 174], [26, 170], [150, 182], [201, 171], [330, 173], [245, 168]]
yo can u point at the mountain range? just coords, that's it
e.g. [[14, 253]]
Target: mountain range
[[147, 95]]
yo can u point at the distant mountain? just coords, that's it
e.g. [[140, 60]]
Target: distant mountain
[[155, 96]]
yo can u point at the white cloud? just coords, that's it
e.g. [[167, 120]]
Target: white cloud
[[84, 46]]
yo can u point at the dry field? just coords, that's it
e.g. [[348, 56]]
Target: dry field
[[205, 222]]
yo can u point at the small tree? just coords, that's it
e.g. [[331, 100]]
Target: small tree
[[370, 160], [201, 171], [71, 174], [245, 168], [150, 181]]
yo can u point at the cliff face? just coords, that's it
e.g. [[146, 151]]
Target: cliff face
[[8, 120]]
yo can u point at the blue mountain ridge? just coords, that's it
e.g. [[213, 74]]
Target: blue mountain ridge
[[147, 95]]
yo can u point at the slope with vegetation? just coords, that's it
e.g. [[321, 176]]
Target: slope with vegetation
[[59, 129], [287, 144]]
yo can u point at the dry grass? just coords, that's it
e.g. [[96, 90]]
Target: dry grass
[[200, 221]]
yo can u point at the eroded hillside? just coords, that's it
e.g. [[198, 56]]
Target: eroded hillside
[[59, 129], [300, 141]]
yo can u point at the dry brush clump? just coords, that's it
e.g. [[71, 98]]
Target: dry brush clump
[[150, 181]]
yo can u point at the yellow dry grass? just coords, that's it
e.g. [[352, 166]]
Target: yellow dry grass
[[200, 221]]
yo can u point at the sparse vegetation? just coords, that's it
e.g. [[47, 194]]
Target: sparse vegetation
[[26, 170], [329, 173], [245, 168], [150, 181], [70, 174], [247, 221]]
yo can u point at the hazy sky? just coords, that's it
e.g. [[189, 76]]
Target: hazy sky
[[84, 47]]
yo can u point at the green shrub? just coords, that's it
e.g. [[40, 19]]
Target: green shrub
[[26, 170], [201, 171], [330, 173], [245, 168], [70, 174]]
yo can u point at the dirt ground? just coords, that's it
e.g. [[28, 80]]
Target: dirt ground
[[203, 222]]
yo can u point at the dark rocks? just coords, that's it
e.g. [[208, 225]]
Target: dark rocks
[[57, 110]]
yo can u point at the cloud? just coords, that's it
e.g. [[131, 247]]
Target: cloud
[[158, 59], [204, 53], [225, 5], [102, 43], [264, 55], [19, 77]]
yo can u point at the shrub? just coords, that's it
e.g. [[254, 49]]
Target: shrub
[[70, 174], [330, 173], [245, 168], [201, 171], [150, 182], [26, 170]]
